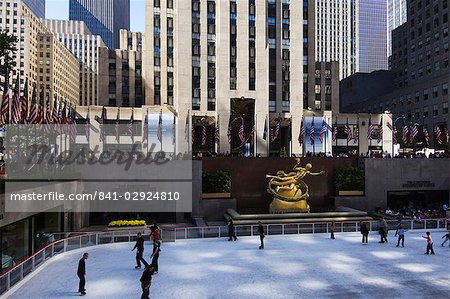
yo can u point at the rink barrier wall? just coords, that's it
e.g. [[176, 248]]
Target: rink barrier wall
[[27, 266], [30, 264]]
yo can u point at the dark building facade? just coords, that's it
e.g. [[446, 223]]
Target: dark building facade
[[420, 67], [37, 7], [102, 17]]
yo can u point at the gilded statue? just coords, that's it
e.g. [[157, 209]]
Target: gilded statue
[[289, 190]]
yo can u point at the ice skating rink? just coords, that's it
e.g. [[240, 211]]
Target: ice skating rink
[[297, 266]]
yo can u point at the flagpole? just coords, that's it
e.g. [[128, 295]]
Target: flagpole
[[268, 134], [314, 137]]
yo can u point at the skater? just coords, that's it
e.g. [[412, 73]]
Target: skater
[[446, 238], [231, 233], [401, 235], [140, 251], [429, 244], [81, 272], [155, 255], [383, 231], [364, 233], [332, 228], [146, 281], [261, 234]]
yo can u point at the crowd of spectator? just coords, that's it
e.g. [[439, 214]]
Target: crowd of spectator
[[410, 212]]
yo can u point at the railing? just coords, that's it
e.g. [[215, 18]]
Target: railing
[[21, 270], [302, 228], [27, 266]]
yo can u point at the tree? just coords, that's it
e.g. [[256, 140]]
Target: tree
[[8, 51]]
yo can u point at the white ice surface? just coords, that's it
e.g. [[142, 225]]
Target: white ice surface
[[296, 266]]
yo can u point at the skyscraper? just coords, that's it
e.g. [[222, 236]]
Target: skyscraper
[[372, 36], [337, 34], [37, 7], [102, 17], [396, 16]]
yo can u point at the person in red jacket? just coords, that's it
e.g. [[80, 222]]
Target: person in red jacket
[[429, 243]]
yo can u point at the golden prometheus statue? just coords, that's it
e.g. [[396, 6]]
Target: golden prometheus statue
[[289, 190]]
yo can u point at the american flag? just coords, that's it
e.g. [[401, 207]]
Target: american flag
[[348, 131], [15, 119], [356, 133], [131, 125], [446, 136], [414, 133], [186, 128], [48, 116], [87, 127], [5, 101], [41, 107], [370, 129], [24, 103], [159, 133], [380, 131], [394, 132], [217, 130], [438, 134], [426, 136], [73, 123], [145, 137], [241, 130], [55, 111], [117, 126], [102, 125], [277, 130], [301, 134], [311, 132], [323, 131], [405, 134], [32, 118], [335, 129], [265, 129], [203, 135]]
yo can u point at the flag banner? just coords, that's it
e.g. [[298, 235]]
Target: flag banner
[[266, 131], [356, 133], [117, 127], [348, 131], [277, 130], [241, 131], [426, 136], [405, 134], [414, 133], [204, 135], [301, 134], [4, 109], [370, 128], [24, 104], [438, 134], [323, 131], [335, 130], [15, 110], [380, 131]]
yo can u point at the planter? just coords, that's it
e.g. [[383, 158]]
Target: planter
[[143, 227], [351, 193], [216, 195]]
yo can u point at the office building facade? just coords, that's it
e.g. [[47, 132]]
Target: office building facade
[[85, 47], [232, 63], [372, 36], [102, 17], [337, 34], [120, 81], [37, 7], [396, 16]]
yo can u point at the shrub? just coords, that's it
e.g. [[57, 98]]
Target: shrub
[[216, 181], [349, 178], [127, 223]]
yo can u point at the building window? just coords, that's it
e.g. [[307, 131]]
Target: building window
[[435, 110], [445, 108]]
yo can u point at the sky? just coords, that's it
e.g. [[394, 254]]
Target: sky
[[59, 9]]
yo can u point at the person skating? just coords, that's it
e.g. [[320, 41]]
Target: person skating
[[261, 234], [365, 233], [81, 273], [146, 281], [332, 228], [401, 235], [446, 238], [155, 254], [429, 243], [140, 251], [231, 233], [383, 231]]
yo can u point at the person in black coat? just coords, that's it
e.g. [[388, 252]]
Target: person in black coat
[[365, 233], [146, 281], [231, 233], [140, 251], [261, 234], [81, 272], [155, 254]]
